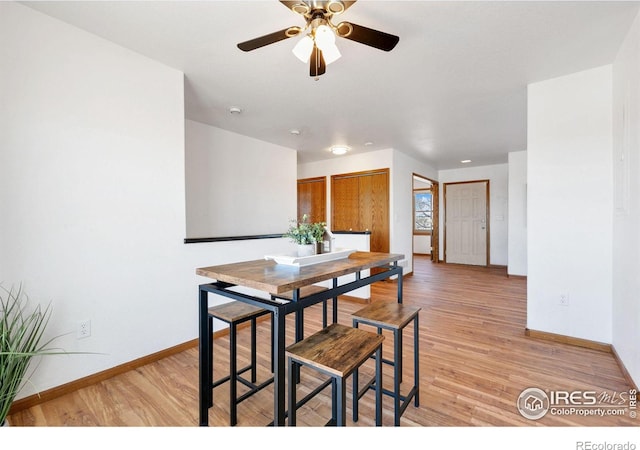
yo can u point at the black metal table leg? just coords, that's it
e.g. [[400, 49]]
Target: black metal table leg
[[204, 362], [416, 361], [379, 386], [279, 375], [399, 283], [335, 302]]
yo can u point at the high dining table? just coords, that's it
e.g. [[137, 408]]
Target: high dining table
[[272, 278]]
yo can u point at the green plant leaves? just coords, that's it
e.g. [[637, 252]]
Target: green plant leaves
[[21, 335], [303, 233]]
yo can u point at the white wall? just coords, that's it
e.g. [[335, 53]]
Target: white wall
[[92, 194], [498, 176], [92, 190], [236, 185], [626, 220], [422, 244], [401, 169], [517, 234], [569, 187]]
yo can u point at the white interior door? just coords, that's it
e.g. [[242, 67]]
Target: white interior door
[[466, 223]]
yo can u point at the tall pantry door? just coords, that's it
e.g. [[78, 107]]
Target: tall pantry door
[[360, 202]]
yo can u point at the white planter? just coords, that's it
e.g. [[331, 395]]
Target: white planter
[[306, 249]]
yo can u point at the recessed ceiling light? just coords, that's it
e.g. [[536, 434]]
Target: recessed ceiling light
[[465, 161], [235, 110], [339, 149], [368, 144], [294, 132]]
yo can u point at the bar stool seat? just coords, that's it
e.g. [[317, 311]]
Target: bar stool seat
[[235, 313], [394, 317], [336, 351]]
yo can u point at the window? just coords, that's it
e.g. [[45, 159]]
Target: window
[[422, 212]]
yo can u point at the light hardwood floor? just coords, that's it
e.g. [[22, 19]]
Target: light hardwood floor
[[475, 360]]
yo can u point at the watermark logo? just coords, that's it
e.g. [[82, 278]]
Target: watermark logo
[[589, 445], [533, 403]]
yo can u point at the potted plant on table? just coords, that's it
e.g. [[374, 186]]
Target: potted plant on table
[[21, 338], [306, 235]]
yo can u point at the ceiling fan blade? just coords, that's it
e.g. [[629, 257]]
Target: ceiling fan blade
[[316, 63], [368, 36], [267, 39]]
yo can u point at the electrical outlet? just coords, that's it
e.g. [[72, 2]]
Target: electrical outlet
[[563, 299], [84, 329]]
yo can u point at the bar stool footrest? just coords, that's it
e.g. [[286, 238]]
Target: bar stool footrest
[[386, 361], [306, 398], [226, 378], [370, 385], [253, 388], [313, 393], [405, 399]]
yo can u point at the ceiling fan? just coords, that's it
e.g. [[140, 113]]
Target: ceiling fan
[[318, 46]]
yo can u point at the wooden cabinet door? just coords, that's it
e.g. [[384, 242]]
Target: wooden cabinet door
[[345, 204], [360, 202], [312, 199], [374, 209]]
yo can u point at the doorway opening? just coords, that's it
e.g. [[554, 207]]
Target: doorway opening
[[425, 218]]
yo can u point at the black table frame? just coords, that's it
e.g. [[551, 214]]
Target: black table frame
[[279, 310]]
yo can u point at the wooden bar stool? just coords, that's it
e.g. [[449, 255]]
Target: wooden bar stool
[[394, 317], [337, 351], [235, 313], [306, 291]]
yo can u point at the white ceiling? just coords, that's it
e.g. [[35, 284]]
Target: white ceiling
[[453, 88]]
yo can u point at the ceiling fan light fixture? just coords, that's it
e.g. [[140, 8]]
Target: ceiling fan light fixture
[[303, 48], [331, 53], [324, 37], [326, 41]]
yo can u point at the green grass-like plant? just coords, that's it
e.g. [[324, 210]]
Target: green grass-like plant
[[304, 232], [21, 338]]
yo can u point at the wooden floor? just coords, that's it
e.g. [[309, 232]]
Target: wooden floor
[[474, 362]]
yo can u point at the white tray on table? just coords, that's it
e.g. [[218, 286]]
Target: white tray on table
[[299, 261]]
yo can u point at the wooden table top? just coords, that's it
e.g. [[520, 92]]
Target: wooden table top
[[267, 275]]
